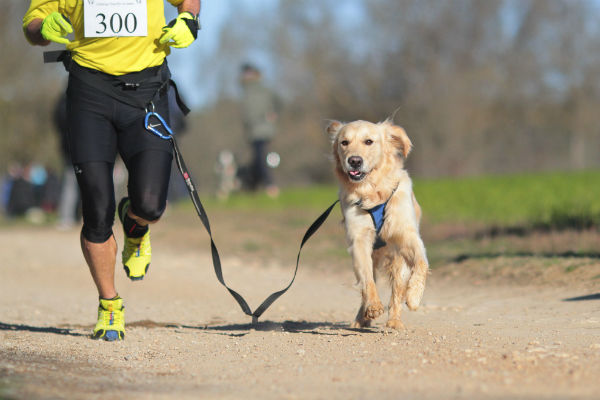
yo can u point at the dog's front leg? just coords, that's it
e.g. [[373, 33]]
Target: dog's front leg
[[420, 267], [399, 276], [371, 306]]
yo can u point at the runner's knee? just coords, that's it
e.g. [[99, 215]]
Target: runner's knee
[[148, 186], [97, 200], [151, 209], [96, 234]]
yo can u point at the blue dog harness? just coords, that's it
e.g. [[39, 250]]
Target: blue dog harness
[[378, 216]]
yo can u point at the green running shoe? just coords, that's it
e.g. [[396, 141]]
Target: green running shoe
[[137, 252], [111, 320]]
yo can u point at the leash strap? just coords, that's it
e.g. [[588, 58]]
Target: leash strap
[[311, 230], [216, 259]]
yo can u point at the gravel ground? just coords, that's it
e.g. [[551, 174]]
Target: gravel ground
[[474, 336]]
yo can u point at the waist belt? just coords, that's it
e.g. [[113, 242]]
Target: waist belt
[[121, 87]]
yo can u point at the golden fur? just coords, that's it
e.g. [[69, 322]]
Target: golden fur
[[380, 176]]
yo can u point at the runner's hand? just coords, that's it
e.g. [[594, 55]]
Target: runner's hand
[[55, 27], [181, 32]]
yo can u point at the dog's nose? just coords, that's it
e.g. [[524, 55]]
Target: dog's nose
[[355, 161]]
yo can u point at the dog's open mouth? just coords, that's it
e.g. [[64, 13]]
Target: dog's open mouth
[[356, 175]]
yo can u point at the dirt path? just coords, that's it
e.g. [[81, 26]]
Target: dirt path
[[186, 337]]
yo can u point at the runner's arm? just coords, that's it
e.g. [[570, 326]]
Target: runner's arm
[[191, 6], [33, 18], [183, 30], [34, 34]]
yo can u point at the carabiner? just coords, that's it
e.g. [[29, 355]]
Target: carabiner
[[152, 128]]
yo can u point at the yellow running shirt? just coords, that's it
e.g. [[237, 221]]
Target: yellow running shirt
[[112, 55]]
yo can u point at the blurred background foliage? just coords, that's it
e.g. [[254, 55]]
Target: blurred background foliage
[[481, 86]]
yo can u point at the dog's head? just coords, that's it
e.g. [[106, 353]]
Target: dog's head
[[361, 148]]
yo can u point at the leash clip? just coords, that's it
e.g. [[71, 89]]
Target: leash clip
[[150, 107], [152, 128]]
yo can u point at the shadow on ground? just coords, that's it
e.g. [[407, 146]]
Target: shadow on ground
[[314, 328], [40, 329], [584, 298], [566, 254]]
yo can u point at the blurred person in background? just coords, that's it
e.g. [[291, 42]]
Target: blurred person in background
[[50, 192], [114, 77], [69, 192], [227, 174], [37, 175], [30, 191], [260, 109], [17, 192]]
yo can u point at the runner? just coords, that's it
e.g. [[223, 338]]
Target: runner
[[117, 66], [260, 107]]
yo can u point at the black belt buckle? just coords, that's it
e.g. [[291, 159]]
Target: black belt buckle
[[130, 86]]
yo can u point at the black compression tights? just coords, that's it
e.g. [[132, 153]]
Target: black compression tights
[[148, 185]]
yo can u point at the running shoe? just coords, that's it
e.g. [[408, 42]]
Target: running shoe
[[111, 320], [137, 252]]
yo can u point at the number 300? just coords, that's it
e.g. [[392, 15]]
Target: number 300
[[116, 22]]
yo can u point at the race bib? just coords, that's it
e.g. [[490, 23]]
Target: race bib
[[111, 18]]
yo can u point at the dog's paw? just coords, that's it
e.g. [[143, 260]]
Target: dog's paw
[[374, 310], [414, 293], [363, 323], [395, 324]]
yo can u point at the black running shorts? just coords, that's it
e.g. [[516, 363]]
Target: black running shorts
[[100, 126]]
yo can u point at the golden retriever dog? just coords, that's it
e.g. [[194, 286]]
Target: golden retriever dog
[[369, 164]]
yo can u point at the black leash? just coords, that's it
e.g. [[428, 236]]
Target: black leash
[[99, 82], [216, 259]]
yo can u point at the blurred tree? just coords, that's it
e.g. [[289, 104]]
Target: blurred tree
[[480, 86], [28, 90]]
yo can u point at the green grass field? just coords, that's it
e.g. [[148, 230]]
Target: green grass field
[[467, 217], [555, 200], [543, 200], [478, 217], [551, 200]]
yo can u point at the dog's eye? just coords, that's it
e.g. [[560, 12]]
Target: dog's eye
[[344, 143], [368, 142]]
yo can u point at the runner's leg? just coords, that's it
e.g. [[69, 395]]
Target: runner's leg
[[93, 146], [97, 241]]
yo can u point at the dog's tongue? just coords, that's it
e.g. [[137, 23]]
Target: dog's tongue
[[354, 173]]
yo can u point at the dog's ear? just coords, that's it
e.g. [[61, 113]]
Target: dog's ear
[[399, 138], [333, 128]]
